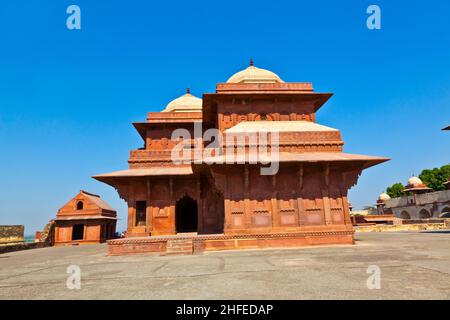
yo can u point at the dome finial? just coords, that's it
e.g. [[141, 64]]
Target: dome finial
[[188, 90], [251, 62]]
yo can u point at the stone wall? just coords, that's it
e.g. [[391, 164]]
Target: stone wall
[[427, 205], [11, 234], [47, 236], [404, 227], [20, 246]]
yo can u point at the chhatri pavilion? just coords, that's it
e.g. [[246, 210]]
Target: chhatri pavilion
[[195, 206]]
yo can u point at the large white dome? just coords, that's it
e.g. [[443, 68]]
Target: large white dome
[[254, 75]]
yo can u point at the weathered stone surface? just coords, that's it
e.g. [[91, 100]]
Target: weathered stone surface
[[403, 227], [20, 246], [11, 234], [195, 244], [414, 265], [47, 236], [424, 205]]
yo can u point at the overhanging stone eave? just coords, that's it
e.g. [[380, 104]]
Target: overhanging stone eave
[[305, 157], [180, 170]]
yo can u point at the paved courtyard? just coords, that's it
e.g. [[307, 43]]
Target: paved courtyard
[[413, 266]]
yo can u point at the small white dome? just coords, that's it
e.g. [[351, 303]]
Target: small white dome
[[254, 75], [383, 197], [186, 103], [414, 181]]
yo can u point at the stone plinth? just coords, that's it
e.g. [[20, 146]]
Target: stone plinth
[[200, 243]]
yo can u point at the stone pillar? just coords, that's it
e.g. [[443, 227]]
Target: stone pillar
[[247, 206], [199, 207], [274, 204], [343, 187], [84, 232], [227, 213], [326, 207], [202, 215], [325, 195], [131, 213], [300, 206], [173, 202], [347, 219], [131, 209], [149, 209]]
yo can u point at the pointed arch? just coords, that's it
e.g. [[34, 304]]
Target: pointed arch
[[405, 215], [424, 214], [445, 213]]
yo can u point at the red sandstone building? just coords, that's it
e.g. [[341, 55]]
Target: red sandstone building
[[212, 205], [86, 218]]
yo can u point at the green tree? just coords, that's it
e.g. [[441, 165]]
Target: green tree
[[396, 190], [435, 178]]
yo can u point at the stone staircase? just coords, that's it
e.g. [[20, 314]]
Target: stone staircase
[[179, 246]]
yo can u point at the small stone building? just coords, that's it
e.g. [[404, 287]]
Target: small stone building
[[86, 218]]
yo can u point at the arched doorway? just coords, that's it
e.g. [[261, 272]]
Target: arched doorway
[[424, 214], [445, 213], [405, 215], [186, 215]]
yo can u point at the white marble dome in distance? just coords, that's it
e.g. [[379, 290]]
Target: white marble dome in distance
[[414, 181], [383, 197]]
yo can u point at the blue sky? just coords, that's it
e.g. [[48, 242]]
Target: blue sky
[[67, 98]]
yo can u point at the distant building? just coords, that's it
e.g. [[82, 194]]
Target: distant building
[[370, 216], [86, 218], [419, 202], [364, 212]]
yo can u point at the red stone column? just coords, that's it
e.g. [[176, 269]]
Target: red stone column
[[227, 214], [149, 209], [325, 195], [300, 206], [247, 207], [274, 205]]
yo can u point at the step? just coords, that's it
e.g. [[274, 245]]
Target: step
[[183, 246]]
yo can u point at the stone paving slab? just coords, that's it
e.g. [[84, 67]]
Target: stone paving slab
[[414, 265]]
